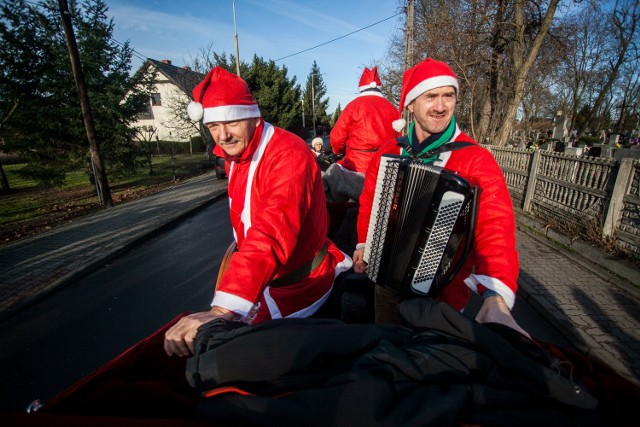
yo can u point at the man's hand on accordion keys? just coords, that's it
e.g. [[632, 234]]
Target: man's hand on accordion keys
[[359, 266]]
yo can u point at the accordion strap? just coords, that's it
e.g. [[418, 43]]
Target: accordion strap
[[403, 142], [302, 272]]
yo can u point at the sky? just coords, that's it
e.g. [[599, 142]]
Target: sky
[[272, 29]]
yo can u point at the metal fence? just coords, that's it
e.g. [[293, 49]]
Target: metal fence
[[589, 197]]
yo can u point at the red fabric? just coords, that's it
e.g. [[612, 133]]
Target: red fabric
[[140, 387], [218, 151], [288, 227], [494, 252], [236, 91], [364, 125]]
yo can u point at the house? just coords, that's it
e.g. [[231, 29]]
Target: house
[[173, 89]]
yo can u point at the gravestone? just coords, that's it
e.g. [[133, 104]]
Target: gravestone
[[607, 152], [574, 151], [560, 126]]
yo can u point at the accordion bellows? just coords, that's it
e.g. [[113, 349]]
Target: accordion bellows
[[421, 226]]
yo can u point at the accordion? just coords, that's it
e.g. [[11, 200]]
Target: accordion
[[421, 227]]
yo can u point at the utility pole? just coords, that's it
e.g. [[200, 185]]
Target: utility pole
[[100, 175], [235, 35], [302, 100], [408, 42], [408, 52], [313, 104]]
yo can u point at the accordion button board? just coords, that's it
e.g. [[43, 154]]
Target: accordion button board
[[421, 226]]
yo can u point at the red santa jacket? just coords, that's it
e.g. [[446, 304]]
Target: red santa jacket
[[494, 256], [362, 128], [280, 222]]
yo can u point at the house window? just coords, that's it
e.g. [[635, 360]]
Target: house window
[[147, 114], [155, 99]]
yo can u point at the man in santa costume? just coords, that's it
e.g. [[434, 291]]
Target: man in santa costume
[[429, 91], [363, 126], [316, 144], [284, 265]]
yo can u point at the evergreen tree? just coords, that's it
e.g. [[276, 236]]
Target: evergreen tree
[[336, 115], [277, 96], [47, 127], [315, 106]]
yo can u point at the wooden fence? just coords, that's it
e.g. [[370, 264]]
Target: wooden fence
[[589, 197]]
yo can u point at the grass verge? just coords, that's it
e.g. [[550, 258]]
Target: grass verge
[[28, 208]]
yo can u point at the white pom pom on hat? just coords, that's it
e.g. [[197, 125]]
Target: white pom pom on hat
[[399, 124], [195, 111]]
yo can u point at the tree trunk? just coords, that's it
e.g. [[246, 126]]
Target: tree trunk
[[101, 176], [483, 131], [522, 67], [3, 180]]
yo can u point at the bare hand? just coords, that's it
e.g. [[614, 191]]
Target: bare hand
[[179, 338], [359, 266], [495, 310]]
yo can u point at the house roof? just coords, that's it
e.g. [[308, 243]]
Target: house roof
[[184, 78]]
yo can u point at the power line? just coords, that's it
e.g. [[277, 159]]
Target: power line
[[134, 52], [341, 37]]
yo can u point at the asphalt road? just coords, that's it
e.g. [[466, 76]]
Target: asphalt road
[[69, 334], [75, 330]]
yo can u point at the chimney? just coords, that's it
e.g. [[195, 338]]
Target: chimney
[[186, 68], [166, 61]]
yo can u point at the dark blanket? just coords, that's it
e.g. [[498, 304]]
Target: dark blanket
[[443, 369]]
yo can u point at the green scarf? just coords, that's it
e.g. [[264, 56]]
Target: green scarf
[[440, 141]]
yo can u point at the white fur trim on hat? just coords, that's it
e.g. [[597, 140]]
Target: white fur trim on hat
[[229, 113], [428, 84], [195, 111], [399, 124], [371, 85]]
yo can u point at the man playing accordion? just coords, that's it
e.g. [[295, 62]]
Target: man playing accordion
[[429, 91]]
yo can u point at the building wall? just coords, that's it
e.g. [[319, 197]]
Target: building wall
[[160, 117]]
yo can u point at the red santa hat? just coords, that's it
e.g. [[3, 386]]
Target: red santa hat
[[426, 75], [369, 79], [222, 97]]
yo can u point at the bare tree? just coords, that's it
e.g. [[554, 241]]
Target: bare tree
[[145, 134], [627, 97], [492, 47], [178, 120], [628, 91], [521, 61], [621, 48], [586, 43]]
